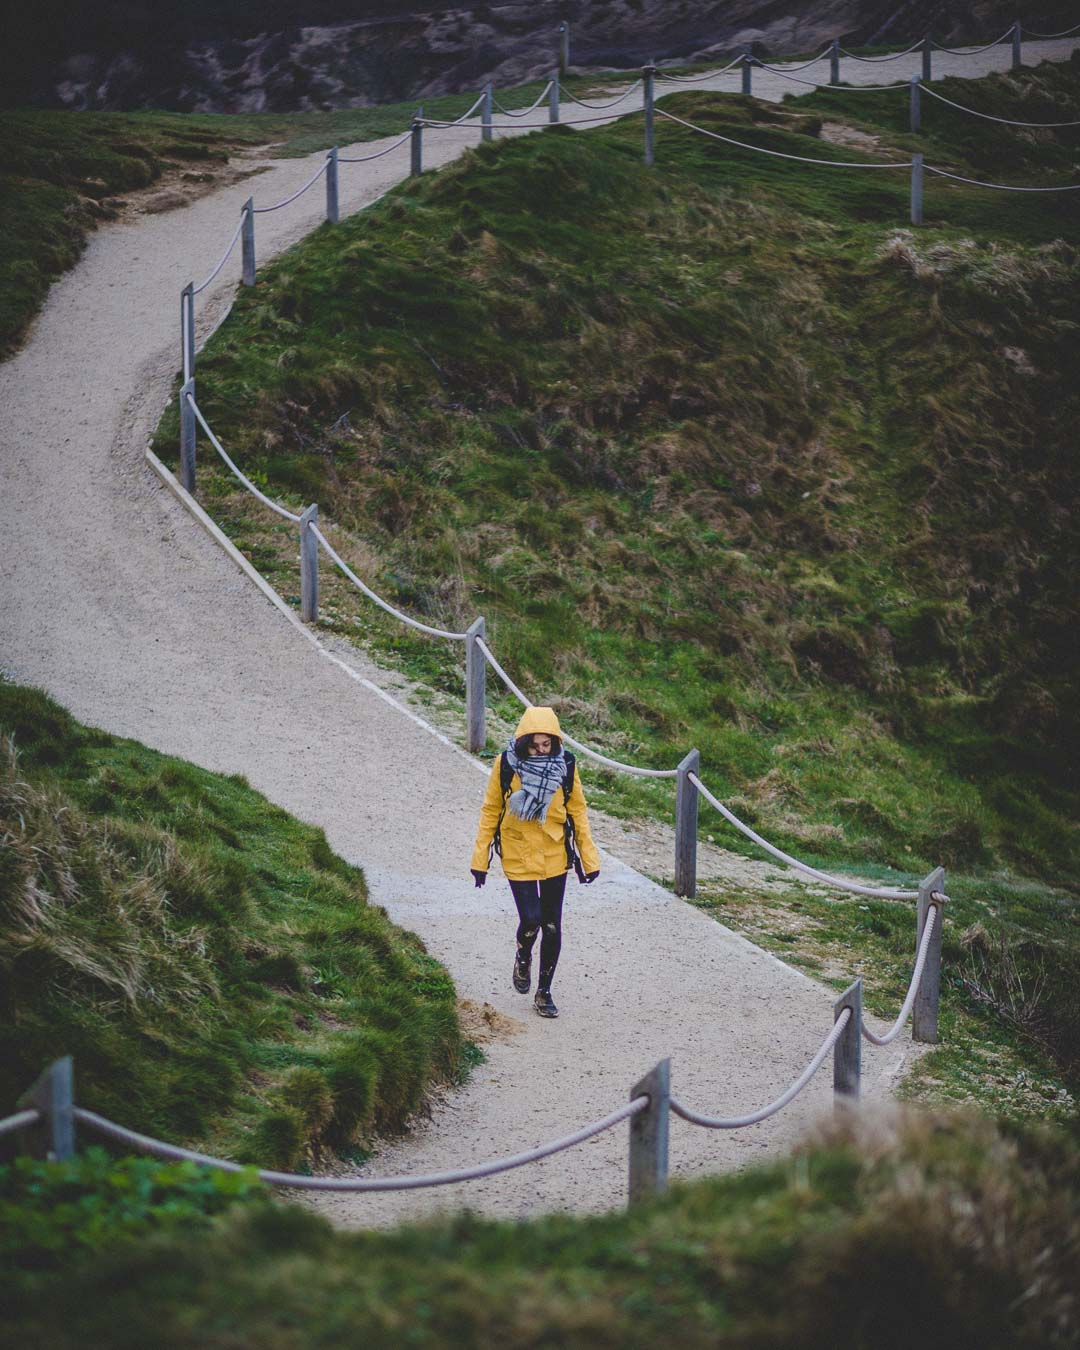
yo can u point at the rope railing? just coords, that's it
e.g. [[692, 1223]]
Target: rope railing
[[360, 1185], [267, 501], [877, 60], [778, 1104], [610, 104], [1000, 187], [1067, 32], [224, 258], [287, 201], [875, 892], [336, 557], [523, 112], [902, 1016], [973, 51], [366, 159], [1005, 121], [517, 126], [780, 154], [840, 88], [698, 79], [19, 1121], [822, 55]]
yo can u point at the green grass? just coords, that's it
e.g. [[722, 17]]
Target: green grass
[[931, 1232], [214, 968]]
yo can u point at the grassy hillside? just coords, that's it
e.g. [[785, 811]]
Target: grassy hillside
[[726, 454], [937, 1233], [214, 968]]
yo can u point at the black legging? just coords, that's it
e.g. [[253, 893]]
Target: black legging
[[539, 905]]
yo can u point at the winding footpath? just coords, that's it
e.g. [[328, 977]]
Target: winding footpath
[[120, 606]]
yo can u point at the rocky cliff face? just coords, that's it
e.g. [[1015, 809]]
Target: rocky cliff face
[[409, 51]]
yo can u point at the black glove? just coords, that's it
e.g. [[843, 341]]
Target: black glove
[[478, 877], [590, 877]]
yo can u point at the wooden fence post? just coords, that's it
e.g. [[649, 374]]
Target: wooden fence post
[[416, 145], [834, 62], [53, 1137], [927, 53], [747, 71], [686, 817], [332, 213], [648, 75], [309, 565], [847, 1052], [1017, 53], [916, 103], [649, 1135], [247, 242], [924, 1019], [916, 189], [486, 112], [475, 689], [188, 431], [564, 48], [187, 331], [553, 99]]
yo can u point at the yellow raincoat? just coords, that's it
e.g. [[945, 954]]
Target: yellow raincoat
[[532, 851]]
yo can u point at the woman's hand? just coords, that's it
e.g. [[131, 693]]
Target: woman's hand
[[590, 877], [478, 877]]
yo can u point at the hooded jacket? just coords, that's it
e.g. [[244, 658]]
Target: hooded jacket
[[531, 850]]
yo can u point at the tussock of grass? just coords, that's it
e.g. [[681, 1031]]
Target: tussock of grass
[[886, 1232], [213, 967]]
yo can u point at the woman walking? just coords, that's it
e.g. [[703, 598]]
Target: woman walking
[[534, 817]]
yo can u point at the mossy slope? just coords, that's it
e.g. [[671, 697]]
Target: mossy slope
[[214, 968]]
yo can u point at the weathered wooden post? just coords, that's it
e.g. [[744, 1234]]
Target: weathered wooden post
[[53, 1136], [927, 52], [486, 112], [747, 71], [924, 1020], [475, 689], [332, 186], [188, 430], [564, 48], [416, 145], [1017, 54], [553, 99], [247, 242], [187, 330], [916, 189], [309, 565], [847, 1052], [916, 103], [649, 1135], [834, 62], [648, 77], [686, 814]]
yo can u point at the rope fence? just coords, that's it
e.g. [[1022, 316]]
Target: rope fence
[[48, 1115], [1006, 121]]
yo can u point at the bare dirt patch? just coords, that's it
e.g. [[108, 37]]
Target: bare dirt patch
[[482, 1023]]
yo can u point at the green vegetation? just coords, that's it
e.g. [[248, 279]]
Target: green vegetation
[[52, 1214], [1010, 995], [214, 969], [928, 1232], [61, 173]]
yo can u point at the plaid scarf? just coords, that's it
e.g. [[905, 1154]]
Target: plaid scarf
[[541, 776]]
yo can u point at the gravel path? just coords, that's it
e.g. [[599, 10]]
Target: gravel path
[[125, 611]]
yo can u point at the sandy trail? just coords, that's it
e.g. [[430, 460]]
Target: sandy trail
[[125, 611]]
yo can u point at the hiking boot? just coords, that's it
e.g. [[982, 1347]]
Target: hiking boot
[[522, 973], [545, 1004]]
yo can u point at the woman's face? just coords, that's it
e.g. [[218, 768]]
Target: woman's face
[[540, 744]]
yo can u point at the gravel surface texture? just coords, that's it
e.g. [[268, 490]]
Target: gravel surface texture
[[128, 613]]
